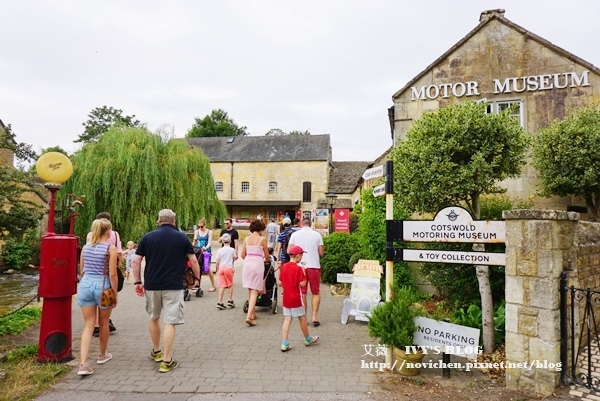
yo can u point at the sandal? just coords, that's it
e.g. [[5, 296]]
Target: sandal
[[104, 358], [250, 322], [85, 370], [212, 289]]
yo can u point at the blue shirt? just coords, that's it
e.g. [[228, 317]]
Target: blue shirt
[[165, 250]]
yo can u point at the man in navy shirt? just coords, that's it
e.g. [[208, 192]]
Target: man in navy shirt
[[166, 250]]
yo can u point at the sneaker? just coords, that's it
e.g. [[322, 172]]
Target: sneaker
[[84, 370], [157, 356], [96, 332], [313, 340], [285, 348], [230, 304], [221, 306], [167, 366], [111, 326], [104, 358]]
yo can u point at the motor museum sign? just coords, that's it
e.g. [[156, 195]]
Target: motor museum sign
[[531, 83]]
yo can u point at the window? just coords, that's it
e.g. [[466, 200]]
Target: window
[[306, 191], [306, 214], [245, 186], [499, 106], [273, 215], [272, 186], [219, 186]]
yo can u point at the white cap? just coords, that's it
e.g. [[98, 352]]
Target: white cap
[[286, 221]]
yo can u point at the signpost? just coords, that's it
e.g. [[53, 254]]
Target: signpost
[[375, 172], [461, 257], [379, 190]]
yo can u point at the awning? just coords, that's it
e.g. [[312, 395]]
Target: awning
[[257, 203]]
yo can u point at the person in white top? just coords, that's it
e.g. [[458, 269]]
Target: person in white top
[[312, 244], [272, 233]]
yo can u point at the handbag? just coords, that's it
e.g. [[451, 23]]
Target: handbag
[[108, 296]]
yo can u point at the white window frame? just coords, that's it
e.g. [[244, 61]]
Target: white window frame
[[219, 186], [245, 187], [494, 106], [272, 186]]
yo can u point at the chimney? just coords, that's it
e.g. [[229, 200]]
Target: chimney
[[488, 14]]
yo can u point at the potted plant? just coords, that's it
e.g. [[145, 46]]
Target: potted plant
[[393, 323]]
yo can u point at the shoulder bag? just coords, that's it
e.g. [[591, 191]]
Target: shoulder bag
[[108, 296]]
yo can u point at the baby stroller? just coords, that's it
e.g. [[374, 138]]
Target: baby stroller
[[191, 281], [268, 299]]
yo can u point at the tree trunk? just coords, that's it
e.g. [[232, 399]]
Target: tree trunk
[[487, 304], [592, 207], [485, 290]]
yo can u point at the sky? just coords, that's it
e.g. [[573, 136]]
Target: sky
[[326, 66]]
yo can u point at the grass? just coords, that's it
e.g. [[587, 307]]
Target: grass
[[19, 321], [25, 376]]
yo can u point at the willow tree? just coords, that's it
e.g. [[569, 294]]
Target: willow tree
[[132, 174], [453, 156]]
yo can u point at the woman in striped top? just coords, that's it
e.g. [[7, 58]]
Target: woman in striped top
[[89, 291]]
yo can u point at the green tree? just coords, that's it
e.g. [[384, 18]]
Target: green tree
[[453, 156], [280, 132], [216, 124], [18, 214], [132, 174], [567, 155], [371, 235], [101, 119]]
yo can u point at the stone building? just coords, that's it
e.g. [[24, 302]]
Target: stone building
[[502, 64], [275, 176]]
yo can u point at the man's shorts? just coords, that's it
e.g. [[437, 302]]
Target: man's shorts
[[294, 312], [89, 290], [314, 280], [168, 303], [225, 277]]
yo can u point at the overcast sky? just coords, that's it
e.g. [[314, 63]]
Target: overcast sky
[[329, 67]]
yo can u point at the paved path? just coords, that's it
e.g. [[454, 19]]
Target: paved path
[[219, 354]]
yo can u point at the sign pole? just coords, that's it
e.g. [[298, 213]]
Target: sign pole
[[389, 244]]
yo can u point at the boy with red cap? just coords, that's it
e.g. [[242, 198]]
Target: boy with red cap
[[291, 278]]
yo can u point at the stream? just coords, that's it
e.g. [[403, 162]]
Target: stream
[[17, 289]]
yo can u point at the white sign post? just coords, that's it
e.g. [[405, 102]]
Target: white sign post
[[379, 190], [375, 172]]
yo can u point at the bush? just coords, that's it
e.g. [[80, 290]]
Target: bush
[[339, 249], [16, 255], [472, 318], [393, 321]]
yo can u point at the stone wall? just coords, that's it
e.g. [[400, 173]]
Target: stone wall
[[540, 245]]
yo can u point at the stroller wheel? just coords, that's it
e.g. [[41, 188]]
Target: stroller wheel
[[246, 306], [199, 293]]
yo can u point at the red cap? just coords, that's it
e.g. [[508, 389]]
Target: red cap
[[295, 250]]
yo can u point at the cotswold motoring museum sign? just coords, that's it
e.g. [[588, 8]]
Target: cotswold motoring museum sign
[[451, 224], [531, 83]]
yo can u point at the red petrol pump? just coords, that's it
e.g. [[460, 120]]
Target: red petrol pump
[[58, 268]]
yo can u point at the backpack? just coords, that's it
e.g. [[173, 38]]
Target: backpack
[[286, 240]]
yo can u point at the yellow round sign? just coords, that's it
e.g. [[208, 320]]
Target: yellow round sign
[[54, 168]]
